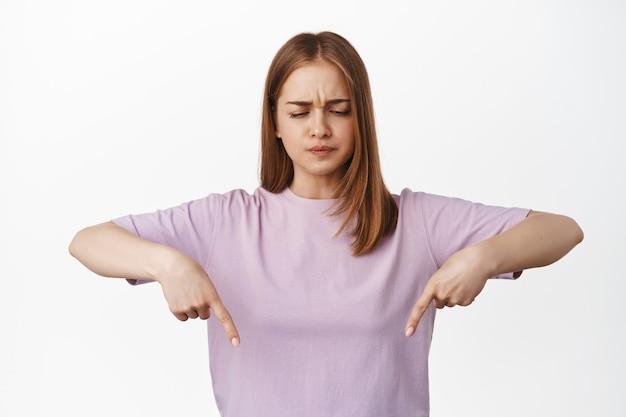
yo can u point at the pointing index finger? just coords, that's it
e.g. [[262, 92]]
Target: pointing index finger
[[422, 304], [226, 320]]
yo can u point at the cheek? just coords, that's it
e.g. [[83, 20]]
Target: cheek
[[284, 126], [288, 145], [348, 133]]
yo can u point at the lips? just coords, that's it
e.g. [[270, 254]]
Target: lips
[[321, 150]]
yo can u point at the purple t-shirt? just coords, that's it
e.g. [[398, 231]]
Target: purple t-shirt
[[322, 331]]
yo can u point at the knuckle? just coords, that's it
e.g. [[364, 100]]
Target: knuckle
[[205, 314], [215, 303], [224, 317], [418, 310]]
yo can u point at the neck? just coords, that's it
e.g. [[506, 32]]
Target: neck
[[316, 191]]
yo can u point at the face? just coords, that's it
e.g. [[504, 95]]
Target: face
[[314, 119]]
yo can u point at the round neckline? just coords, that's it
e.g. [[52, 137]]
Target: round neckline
[[310, 202]]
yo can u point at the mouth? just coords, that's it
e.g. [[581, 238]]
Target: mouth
[[321, 150]]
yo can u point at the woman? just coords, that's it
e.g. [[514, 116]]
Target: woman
[[320, 266]]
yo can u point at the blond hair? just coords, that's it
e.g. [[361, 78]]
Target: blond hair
[[361, 194]]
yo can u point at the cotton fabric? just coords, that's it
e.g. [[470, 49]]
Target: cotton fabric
[[322, 331]]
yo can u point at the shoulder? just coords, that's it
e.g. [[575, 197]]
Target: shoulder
[[409, 199], [439, 208], [239, 200], [236, 195], [429, 201], [241, 197]]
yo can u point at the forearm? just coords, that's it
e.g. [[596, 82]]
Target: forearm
[[111, 251], [538, 240]]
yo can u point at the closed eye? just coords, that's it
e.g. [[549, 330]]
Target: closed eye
[[341, 113], [297, 115]]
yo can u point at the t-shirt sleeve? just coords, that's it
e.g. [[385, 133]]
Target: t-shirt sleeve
[[452, 224], [189, 227]]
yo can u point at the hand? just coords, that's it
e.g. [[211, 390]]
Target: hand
[[457, 282], [109, 250], [190, 294]]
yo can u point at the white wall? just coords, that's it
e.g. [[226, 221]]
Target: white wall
[[109, 108]]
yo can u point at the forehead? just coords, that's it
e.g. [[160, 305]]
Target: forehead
[[318, 79]]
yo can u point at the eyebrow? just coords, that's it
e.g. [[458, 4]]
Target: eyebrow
[[308, 103]]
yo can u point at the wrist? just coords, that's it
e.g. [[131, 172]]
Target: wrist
[[486, 259], [166, 260]]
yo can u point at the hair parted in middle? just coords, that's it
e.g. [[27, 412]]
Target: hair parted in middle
[[361, 194]]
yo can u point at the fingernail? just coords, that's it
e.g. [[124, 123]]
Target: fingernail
[[234, 341], [409, 332]]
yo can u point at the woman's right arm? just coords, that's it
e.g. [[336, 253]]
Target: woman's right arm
[[109, 250]]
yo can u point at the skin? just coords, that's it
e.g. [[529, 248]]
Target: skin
[[314, 121], [111, 251], [313, 110], [538, 240]]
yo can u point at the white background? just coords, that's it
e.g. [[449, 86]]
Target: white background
[[116, 107]]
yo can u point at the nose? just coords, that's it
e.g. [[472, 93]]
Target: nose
[[319, 124]]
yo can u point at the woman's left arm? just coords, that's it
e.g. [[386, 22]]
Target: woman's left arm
[[538, 240]]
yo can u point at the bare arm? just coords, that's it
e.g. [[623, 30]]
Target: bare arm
[[111, 251], [538, 240]]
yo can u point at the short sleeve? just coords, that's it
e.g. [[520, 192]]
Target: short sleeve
[[189, 227], [452, 224]]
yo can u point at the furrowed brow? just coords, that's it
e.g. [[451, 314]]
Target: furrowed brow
[[299, 103], [302, 103]]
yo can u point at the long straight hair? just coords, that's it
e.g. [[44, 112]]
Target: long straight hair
[[363, 200]]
